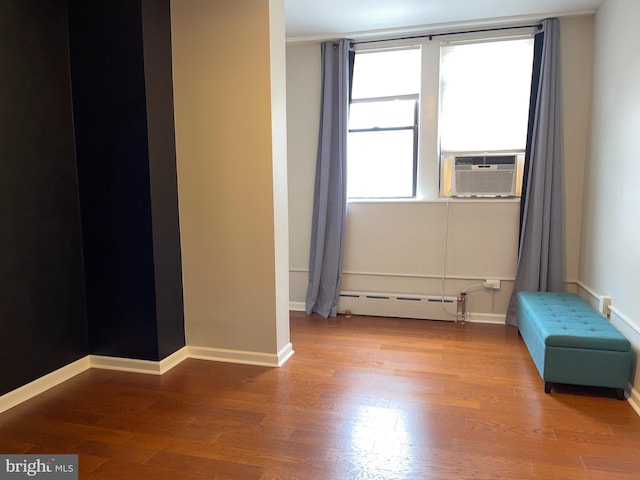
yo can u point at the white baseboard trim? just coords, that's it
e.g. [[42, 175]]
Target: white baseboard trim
[[234, 356], [634, 399], [285, 354], [297, 306], [139, 366], [619, 319], [493, 318], [586, 289], [42, 384], [588, 295], [632, 332], [30, 390], [571, 286], [174, 359]]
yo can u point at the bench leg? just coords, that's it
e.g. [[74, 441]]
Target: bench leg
[[620, 393], [547, 387]]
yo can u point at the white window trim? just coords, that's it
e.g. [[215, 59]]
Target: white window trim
[[428, 170]]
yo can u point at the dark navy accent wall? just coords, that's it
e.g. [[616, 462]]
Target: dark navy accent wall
[[109, 107], [89, 225], [126, 162], [156, 26], [42, 307]]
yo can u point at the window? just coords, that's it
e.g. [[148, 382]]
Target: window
[[382, 151], [484, 95], [415, 108], [484, 109]]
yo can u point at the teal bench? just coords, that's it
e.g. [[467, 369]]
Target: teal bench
[[571, 343]]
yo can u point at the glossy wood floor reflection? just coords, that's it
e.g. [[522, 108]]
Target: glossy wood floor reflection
[[362, 398]]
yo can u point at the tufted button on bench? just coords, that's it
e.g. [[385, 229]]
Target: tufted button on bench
[[571, 343]]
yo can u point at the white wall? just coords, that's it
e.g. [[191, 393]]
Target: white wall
[[610, 251], [399, 247], [577, 72], [303, 113], [229, 98], [279, 169]]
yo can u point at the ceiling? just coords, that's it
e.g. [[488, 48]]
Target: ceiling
[[324, 19]]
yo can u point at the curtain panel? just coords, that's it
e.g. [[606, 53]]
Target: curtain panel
[[541, 252], [330, 191]]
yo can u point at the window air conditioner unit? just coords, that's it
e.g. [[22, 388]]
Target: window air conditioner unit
[[484, 176]]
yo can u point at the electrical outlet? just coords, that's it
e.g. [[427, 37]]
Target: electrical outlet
[[603, 305], [492, 284]]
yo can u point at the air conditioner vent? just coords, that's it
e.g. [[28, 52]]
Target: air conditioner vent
[[484, 175]]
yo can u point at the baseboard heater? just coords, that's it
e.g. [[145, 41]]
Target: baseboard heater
[[431, 307]]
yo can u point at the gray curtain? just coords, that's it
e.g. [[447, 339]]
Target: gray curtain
[[330, 197], [541, 252]]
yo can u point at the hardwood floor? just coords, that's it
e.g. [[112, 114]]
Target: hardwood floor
[[362, 398]]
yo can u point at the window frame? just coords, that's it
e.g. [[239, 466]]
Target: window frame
[[427, 176], [415, 127]]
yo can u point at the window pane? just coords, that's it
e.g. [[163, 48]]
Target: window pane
[[484, 93], [380, 164], [388, 73], [395, 113]]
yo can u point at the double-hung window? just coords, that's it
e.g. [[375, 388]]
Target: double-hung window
[[484, 109], [418, 109], [383, 124]]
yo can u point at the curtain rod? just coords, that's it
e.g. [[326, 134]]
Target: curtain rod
[[431, 35]]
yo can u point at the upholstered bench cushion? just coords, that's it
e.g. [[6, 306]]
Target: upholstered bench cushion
[[565, 320], [570, 342]]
